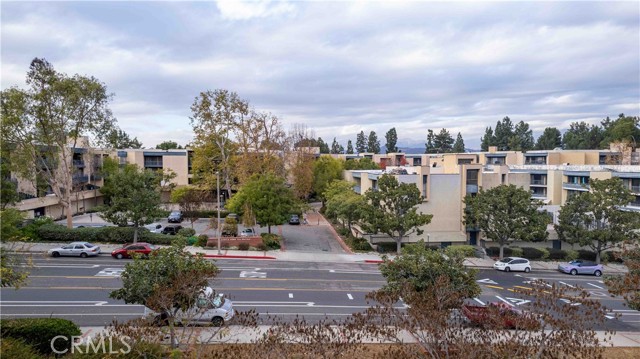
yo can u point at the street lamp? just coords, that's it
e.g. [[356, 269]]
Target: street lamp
[[218, 194]]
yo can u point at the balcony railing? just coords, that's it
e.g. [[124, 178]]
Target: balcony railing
[[357, 189], [536, 162], [575, 186], [96, 177], [153, 163], [78, 163], [635, 189], [80, 179], [539, 182]]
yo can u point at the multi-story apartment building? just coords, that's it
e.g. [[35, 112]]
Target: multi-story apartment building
[[445, 179], [38, 199]]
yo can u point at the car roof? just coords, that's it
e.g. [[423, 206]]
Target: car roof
[[80, 242], [512, 258]]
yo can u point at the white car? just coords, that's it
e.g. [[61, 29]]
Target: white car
[[509, 264], [208, 309], [154, 227], [76, 249], [247, 232]]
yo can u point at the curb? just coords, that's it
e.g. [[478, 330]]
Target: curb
[[223, 256], [373, 261]]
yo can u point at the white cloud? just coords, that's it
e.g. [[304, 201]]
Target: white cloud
[[245, 10]]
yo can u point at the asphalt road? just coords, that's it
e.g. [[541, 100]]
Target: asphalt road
[[78, 289]]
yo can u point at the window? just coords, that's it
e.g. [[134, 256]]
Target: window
[[465, 161], [79, 246], [153, 161], [472, 177], [539, 179]]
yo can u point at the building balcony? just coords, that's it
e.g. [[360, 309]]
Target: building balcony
[[540, 196], [472, 188], [357, 189], [96, 177], [538, 183], [635, 189], [535, 162], [575, 186], [152, 164], [78, 163], [77, 179]]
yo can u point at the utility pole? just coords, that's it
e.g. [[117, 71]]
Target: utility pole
[[218, 194]]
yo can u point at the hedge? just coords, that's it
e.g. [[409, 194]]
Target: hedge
[[270, 240], [16, 348], [586, 255], [187, 232], [495, 251], [38, 332], [557, 254], [120, 235], [464, 250], [532, 253], [199, 214]]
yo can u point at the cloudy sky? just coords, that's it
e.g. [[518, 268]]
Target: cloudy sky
[[341, 67]]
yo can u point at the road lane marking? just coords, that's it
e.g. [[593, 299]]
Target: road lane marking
[[63, 266], [596, 286], [349, 296], [290, 295], [504, 300], [568, 285], [486, 281], [275, 304], [493, 286], [254, 274], [110, 272], [518, 301], [479, 301]]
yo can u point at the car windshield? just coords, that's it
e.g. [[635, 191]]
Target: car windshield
[[575, 262], [217, 301], [151, 246], [505, 260]]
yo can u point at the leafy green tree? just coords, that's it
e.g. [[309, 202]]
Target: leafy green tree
[[361, 164], [503, 134], [268, 197], [215, 116], [190, 200], [582, 136], [336, 147], [594, 219], [522, 139], [391, 209], [624, 128], [506, 213], [168, 145], [550, 139], [443, 142], [8, 188], [132, 195], [430, 146], [166, 282], [325, 170], [488, 139], [361, 142], [349, 148], [373, 145], [458, 146], [45, 123], [343, 203], [117, 138], [324, 148], [392, 140], [418, 268], [12, 267]]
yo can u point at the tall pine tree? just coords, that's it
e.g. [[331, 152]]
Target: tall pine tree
[[550, 139], [488, 139], [458, 146], [392, 140], [503, 133], [349, 148], [373, 145], [361, 142], [429, 146]]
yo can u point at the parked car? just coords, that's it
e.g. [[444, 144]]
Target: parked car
[[294, 219], [499, 316], [154, 227], [580, 266], [175, 217], [248, 232], [208, 309], [129, 249], [509, 264], [80, 249], [171, 230]]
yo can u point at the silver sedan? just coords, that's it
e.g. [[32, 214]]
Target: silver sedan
[[76, 249]]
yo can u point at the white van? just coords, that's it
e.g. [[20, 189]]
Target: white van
[[208, 309]]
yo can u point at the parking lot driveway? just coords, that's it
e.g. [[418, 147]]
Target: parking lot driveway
[[310, 238]]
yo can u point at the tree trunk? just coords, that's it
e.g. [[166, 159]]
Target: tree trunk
[[269, 228], [598, 252], [69, 216], [398, 245], [501, 250], [135, 234]]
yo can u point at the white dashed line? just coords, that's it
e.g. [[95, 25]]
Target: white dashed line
[[568, 285], [290, 295], [349, 296], [479, 301], [596, 286]]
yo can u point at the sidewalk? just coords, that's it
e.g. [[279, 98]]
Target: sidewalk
[[241, 334]]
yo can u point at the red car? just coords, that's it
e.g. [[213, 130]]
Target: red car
[[141, 248]]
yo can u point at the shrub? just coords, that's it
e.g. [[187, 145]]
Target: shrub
[[532, 253], [614, 257], [516, 252], [202, 240], [31, 229], [15, 348], [571, 255], [545, 253], [226, 246], [586, 255], [557, 254], [121, 235], [358, 244], [243, 246], [495, 251], [261, 247], [186, 232], [464, 250], [387, 247], [38, 332], [270, 240]]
